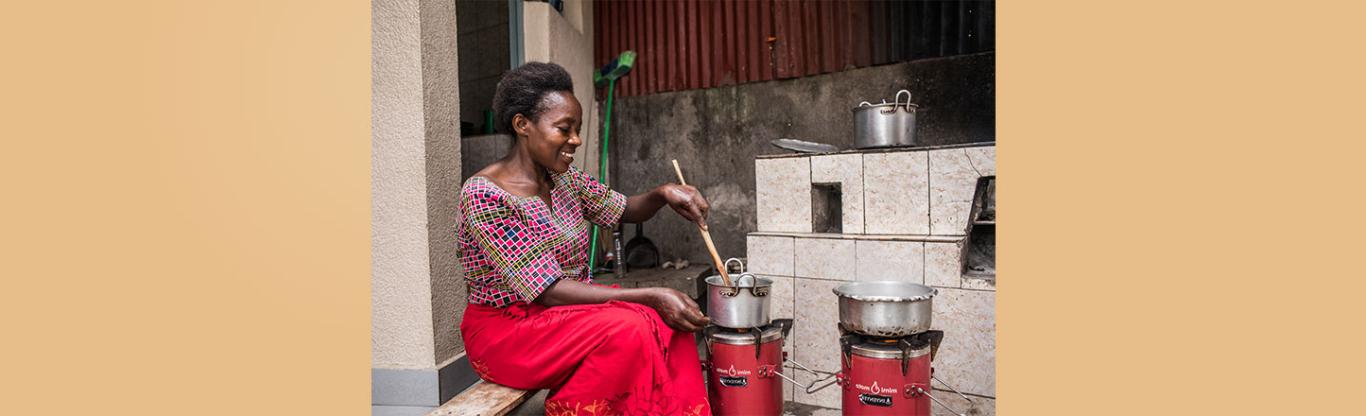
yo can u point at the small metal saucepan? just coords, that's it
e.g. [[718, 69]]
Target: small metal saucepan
[[885, 308], [744, 305]]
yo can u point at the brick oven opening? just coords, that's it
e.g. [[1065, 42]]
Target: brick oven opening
[[979, 251], [826, 211]]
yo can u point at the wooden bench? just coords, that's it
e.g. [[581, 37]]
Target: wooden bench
[[483, 399]]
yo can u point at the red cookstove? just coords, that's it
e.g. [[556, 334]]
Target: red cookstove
[[889, 376], [744, 368], [886, 376]]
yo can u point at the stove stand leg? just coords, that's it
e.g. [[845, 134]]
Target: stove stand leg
[[812, 388], [834, 379], [789, 379], [941, 404], [952, 388]]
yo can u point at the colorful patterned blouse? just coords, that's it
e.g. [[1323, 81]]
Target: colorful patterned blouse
[[514, 247]]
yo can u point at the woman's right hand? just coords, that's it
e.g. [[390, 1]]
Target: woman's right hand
[[678, 310]]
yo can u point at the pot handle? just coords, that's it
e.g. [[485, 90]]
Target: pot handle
[[739, 280], [896, 102], [727, 264], [754, 288]]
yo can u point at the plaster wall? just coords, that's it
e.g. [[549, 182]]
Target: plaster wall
[[401, 307], [417, 293], [441, 110]]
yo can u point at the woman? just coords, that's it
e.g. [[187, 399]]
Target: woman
[[534, 320]]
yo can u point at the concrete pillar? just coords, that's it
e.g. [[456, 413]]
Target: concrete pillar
[[418, 293]]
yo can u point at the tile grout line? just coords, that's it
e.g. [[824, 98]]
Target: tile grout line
[[858, 270], [945, 238], [924, 264], [810, 210], [929, 196], [822, 279], [972, 165], [862, 197]]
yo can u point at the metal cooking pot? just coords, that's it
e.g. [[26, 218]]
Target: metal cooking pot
[[885, 125], [885, 308], [744, 305]]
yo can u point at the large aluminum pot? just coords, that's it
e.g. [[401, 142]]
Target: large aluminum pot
[[744, 305], [885, 308], [885, 125]]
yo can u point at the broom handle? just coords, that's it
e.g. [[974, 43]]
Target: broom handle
[[706, 235]]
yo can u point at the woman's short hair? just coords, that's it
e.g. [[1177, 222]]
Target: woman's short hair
[[522, 90]]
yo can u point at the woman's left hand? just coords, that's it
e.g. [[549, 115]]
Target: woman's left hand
[[688, 202], [676, 309]]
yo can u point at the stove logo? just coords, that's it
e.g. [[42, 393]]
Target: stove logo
[[875, 389], [734, 381], [733, 372], [875, 400]]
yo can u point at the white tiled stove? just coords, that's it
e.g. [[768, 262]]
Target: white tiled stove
[[904, 217]]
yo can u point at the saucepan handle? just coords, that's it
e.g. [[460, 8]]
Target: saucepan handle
[[896, 102], [742, 264]]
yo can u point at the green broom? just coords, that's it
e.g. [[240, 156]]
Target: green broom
[[608, 74]]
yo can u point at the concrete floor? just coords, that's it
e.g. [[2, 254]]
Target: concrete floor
[[535, 406]]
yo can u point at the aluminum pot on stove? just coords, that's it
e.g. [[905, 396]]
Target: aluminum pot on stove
[[885, 308], [744, 305]]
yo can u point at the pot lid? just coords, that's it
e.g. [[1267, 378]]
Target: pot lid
[[885, 291]]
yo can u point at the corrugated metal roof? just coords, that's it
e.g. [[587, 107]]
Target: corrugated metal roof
[[690, 44]]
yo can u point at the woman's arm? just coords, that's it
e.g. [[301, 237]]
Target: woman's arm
[[684, 199], [677, 309]]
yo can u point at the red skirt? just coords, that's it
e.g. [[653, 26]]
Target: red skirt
[[615, 358]]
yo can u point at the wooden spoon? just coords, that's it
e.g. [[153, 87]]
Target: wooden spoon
[[706, 235]]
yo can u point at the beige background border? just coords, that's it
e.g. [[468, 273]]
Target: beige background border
[[186, 224], [186, 216]]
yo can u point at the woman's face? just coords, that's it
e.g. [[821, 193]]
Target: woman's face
[[553, 138]]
